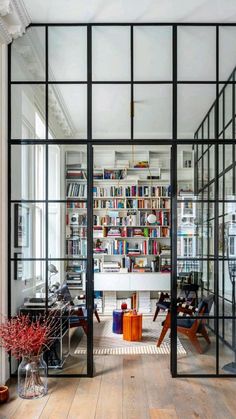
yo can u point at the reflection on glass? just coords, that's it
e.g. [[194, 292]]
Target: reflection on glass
[[71, 161], [28, 281], [113, 101], [68, 220], [196, 47], [67, 288], [67, 53], [68, 111], [28, 232], [111, 53], [152, 53], [28, 112], [28, 176], [28, 56], [152, 111]]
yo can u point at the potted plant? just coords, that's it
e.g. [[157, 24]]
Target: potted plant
[[27, 340]]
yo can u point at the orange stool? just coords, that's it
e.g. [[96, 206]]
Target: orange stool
[[132, 327]]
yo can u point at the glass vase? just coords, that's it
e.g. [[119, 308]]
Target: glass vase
[[32, 377]]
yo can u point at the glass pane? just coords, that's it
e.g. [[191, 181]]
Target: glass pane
[[67, 231], [195, 47], [152, 53], [227, 51], [153, 111], [185, 167], [27, 281], [228, 92], [28, 56], [111, 111], [67, 111], [229, 185], [111, 53], [194, 102], [67, 53], [71, 161], [28, 112], [67, 282], [28, 230], [228, 155], [28, 176], [211, 162]]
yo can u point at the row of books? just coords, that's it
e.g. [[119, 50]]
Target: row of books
[[114, 174], [130, 219], [76, 190], [123, 247], [101, 232], [143, 203], [118, 203], [76, 173], [147, 191], [107, 191], [132, 191], [79, 205], [76, 247]]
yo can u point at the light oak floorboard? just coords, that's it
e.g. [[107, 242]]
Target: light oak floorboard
[[110, 393], [163, 414], [135, 401], [129, 387]]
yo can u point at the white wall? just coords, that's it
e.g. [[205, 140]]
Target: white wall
[[4, 371]]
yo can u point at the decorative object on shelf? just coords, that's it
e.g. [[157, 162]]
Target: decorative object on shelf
[[4, 394], [151, 219], [27, 340], [21, 219]]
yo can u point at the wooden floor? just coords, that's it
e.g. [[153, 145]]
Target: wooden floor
[[128, 387]]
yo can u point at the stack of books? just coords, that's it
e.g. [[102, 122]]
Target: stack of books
[[111, 266]]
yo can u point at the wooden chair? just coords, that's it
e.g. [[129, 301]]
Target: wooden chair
[[162, 304], [78, 318], [188, 326]]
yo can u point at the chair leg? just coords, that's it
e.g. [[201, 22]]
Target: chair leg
[[195, 343], [205, 334], [156, 313], [163, 333], [97, 316]]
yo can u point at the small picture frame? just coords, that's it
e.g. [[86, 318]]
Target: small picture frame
[[18, 266], [21, 218]]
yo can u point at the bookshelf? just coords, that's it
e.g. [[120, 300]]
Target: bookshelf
[[126, 245]]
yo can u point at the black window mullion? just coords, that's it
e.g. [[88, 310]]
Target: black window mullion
[[174, 359], [132, 82]]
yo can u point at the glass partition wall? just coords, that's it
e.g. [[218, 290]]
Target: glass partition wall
[[72, 87]]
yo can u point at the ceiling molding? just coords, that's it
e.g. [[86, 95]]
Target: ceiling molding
[[14, 20]]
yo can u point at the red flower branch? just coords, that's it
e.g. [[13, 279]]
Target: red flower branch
[[24, 337]]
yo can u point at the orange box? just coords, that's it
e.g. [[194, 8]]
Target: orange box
[[132, 327]]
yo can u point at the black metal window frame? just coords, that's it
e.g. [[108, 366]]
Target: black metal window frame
[[174, 141]]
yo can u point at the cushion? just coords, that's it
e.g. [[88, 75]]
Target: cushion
[[185, 322]]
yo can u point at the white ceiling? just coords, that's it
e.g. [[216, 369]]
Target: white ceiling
[[49, 11]]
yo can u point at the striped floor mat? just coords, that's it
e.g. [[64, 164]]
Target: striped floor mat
[[108, 343]]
